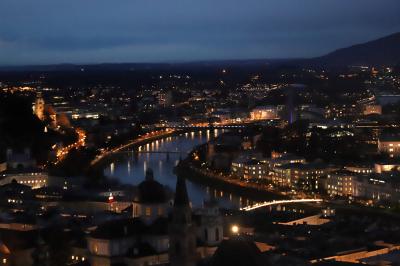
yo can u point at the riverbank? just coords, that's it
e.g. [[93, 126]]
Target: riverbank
[[107, 156], [247, 190]]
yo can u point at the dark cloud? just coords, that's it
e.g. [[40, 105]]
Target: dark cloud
[[90, 31]]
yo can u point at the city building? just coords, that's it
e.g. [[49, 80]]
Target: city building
[[360, 169], [372, 110], [19, 160], [37, 178], [387, 166], [119, 241], [151, 201], [16, 196], [374, 187], [39, 106], [165, 98], [209, 224], [341, 111], [264, 112], [249, 168], [389, 145], [278, 159], [379, 187], [305, 176], [342, 183], [222, 115]]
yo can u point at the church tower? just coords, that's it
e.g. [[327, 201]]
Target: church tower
[[39, 106], [182, 230]]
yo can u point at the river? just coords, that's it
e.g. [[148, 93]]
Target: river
[[131, 168]]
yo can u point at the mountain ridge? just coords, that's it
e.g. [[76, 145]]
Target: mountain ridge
[[384, 51]]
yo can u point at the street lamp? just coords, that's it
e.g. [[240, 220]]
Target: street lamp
[[235, 229]]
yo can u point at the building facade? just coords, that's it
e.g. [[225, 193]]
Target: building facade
[[264, 113], [389, 145]]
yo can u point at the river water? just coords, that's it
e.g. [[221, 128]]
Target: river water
[[131, 168]]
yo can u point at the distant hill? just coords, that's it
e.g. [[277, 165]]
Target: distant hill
[[381, 52], [177, 66]]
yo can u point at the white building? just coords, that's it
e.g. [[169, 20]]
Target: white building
[[16, 159], [209, 225], [342, 183], [387, 166], [389, 145], [373, 187], [249, 169]]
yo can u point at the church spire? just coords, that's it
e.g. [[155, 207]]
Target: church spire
[[182, 230], [181, 195]]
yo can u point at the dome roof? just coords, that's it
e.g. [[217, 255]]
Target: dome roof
[[151, 191]]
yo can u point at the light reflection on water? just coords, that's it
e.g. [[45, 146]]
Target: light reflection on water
[[131, 169]]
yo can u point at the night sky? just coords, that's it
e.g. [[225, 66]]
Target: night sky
[[94, 31]]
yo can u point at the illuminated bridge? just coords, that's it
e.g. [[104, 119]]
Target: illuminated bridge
[[277, 202], [199, 127], [145, 151]]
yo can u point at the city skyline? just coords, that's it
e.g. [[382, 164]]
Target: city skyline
[[183, 133]]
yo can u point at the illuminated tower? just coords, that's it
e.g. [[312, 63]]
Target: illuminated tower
[[39, 106], [290, 106], [182, 230]]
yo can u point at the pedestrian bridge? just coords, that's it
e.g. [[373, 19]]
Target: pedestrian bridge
[[277, 202]]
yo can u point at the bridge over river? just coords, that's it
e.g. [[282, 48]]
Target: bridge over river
[[230, 125]]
